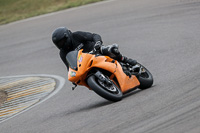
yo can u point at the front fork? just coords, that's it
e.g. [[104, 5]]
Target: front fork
[[102, 78]]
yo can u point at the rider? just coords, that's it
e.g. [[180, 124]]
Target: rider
[[67, 41]]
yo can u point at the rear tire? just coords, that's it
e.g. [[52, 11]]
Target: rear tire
[[112, 93], [145, 79]]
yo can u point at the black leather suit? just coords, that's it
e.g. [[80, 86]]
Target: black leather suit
[[79, 40]]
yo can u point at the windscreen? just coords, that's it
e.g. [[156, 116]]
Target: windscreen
[[71, 58]]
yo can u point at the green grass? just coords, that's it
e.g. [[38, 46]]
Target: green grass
[[13, 10]]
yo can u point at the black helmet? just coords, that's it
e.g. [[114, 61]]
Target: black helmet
[[60, 37]]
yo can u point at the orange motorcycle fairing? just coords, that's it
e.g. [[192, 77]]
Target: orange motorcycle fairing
[[126, 83], [86, 61]]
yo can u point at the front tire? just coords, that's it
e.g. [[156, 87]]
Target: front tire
[[111, 93]]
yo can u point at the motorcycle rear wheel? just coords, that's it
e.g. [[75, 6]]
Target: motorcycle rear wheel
[[111, 93], [145, 79]]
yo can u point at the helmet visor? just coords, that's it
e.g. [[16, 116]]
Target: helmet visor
[[61, 43]]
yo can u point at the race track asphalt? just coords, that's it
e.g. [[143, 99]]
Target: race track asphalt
[[162, 35]]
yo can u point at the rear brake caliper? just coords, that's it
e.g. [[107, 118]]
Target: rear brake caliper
[[137, 70]]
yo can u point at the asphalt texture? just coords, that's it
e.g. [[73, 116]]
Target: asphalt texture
[[162, 35]]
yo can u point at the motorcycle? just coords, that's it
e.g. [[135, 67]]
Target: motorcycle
[[106, 76]]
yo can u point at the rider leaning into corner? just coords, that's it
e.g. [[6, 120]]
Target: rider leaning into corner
[[67, 41]]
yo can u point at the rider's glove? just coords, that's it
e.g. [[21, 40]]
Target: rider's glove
[[97, 45]]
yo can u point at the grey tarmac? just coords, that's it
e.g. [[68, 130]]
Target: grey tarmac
[[162, 35]]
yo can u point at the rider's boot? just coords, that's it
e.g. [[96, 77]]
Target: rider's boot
[[129, 61], [113, 52]]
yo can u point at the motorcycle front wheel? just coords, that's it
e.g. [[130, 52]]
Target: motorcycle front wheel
[[111, 92]]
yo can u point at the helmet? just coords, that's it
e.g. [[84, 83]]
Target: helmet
[[60, 37]]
